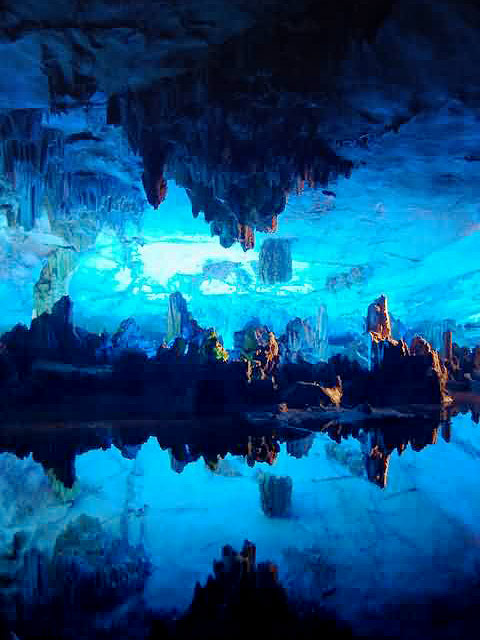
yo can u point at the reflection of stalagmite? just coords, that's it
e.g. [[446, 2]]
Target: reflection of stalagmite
[[376, 458], [275, 261], [301, 447], [239, 594], [275, 494]]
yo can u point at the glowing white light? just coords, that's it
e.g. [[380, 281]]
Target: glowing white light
[[216, 287], [124, 279]]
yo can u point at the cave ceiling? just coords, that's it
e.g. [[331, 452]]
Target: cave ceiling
[[351, 127]]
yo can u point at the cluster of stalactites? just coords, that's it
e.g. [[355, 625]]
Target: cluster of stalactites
[[32, 163], [237, 167], [28, 164]]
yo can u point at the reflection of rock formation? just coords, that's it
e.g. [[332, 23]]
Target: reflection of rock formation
[[261, 449], [275, 494], [238, 585], [58, 563], [93, 570], [186, 442], [378, 443], [275, 261], [301, 447], [376, 459], [244, 599], [356, 276]]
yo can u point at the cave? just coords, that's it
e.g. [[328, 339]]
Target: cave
[[239, 288]]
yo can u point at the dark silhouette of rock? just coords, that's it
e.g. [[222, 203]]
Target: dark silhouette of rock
[[245, 599], [300, 448], [17, 345], [238, 585], [275, 495], [408, 376], [402, 375], [53, 335]]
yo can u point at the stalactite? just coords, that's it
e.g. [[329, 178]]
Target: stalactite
[[275, 261]]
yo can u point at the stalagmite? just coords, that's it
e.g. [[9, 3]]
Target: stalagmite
[[306, 339]]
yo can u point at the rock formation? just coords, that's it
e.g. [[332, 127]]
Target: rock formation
[[52, 284], [312, 394], [259, 350], [275, 261], [53, 335], [355, 276], [402, 375], [275, 495], [306, 340], [238, 585], [378, 320], [178, 316], [180, 322], [300, 448], [462, 363], [128, 336]]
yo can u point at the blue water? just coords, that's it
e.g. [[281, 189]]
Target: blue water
[[347, 544]]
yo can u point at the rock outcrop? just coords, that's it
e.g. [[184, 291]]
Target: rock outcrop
[[402, 375], [312, 394], [259, 350]]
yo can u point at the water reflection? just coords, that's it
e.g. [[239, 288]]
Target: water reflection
[[162, 499], [56, 447]]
